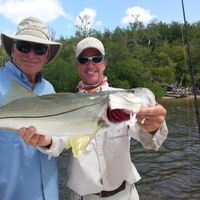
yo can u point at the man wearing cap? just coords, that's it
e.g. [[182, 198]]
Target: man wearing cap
[[105, 169], [25, 172]]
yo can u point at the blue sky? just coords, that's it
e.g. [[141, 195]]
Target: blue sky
[[61, 15]]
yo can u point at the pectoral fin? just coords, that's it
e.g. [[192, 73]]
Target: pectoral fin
[[79, 144]]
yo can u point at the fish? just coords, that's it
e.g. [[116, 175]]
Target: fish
[[74, 115]]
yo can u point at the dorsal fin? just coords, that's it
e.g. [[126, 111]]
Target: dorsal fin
[[16, 91]]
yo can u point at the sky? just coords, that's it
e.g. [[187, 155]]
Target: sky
[[62, 16]]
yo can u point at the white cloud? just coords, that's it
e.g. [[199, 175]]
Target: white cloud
[[99, 23], [137, 13], [46, 10], [90, 13]]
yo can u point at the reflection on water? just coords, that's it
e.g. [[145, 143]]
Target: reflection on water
[[173, 172]]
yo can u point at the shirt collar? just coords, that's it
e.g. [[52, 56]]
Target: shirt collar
[[19, 74]]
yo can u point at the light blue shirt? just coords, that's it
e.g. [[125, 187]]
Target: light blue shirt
[[25, 172]]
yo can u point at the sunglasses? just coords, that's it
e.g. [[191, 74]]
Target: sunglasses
[[25, 47], [94, 59]]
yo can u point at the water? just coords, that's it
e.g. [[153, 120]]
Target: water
[[173, 172]]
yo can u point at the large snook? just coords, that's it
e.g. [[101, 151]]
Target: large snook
[[66, 114]]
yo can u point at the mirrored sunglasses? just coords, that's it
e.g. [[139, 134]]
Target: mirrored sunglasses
[[94, 59], [25, 47]]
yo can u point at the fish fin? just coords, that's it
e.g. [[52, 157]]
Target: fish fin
[[79, 144], [16, 91], [68, 145]]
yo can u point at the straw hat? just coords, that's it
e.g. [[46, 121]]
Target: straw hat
[[32, 30], [89, 42]]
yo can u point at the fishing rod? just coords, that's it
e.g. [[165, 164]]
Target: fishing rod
[[191, 69]]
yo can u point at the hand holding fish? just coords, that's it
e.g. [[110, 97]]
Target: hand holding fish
[[30, 137], [151, 118]]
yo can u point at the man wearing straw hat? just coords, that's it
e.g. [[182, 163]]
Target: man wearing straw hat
[[26, 173]]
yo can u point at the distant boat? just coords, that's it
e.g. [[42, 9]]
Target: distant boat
[[177, 92], [175, 95]]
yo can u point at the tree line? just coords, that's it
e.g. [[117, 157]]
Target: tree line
[[139, 55]]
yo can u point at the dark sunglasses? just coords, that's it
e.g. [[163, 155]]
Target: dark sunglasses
[[25, 47], [94, 59]]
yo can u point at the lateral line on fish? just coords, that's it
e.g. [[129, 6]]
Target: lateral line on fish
[[50, 115]]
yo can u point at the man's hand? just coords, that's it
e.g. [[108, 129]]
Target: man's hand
[[151, 118], [30, 137]]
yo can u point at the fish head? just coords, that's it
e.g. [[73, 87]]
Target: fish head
[[131, 100]]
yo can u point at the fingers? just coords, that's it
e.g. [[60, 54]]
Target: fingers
[[30, 137], [157, 110], [27, 133], [151, 118], [34, 140], [148, 125]]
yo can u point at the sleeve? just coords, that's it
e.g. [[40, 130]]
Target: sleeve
[[148, 140], [57, 146]]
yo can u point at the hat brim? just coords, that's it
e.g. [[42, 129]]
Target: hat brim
[[7, 42]]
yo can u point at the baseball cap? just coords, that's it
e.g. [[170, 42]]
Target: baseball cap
[[89, 42]]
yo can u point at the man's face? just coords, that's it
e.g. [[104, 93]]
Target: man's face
[[25, 58], [91, 73]]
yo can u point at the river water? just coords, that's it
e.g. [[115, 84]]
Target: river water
[[173, 172]]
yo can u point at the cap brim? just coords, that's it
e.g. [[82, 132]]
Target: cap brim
[[7, 42]]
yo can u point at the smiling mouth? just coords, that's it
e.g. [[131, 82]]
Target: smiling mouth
[[31, 62], [91, 72]]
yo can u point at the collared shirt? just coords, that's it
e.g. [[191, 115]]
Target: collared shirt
[[106, 163], [25, 172]]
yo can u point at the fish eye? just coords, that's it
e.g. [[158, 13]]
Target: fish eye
[[132, 90]]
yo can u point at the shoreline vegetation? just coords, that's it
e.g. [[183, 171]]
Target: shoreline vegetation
[[151, 55]]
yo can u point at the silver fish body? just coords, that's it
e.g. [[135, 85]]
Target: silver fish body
[[56, 114], [64, 114]]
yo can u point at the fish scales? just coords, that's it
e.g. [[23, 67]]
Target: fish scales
[[46, 105], [55, 114]]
